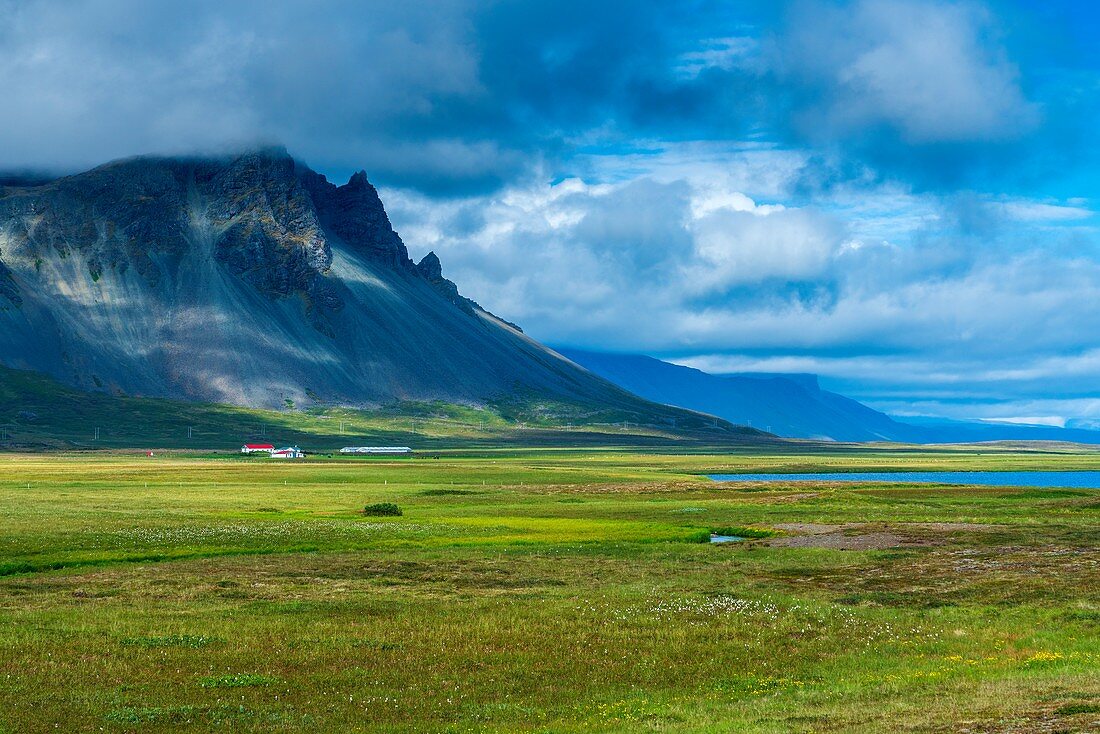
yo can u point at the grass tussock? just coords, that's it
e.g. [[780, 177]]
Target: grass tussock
[[383, 509]]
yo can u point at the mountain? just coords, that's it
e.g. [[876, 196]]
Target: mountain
[[795, 406], [942, 430], [252, 280]]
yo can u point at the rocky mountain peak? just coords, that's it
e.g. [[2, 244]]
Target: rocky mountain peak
[[431, 270], [354, 213], [430, 267], [359, 180], [268, 219], [250, 279]]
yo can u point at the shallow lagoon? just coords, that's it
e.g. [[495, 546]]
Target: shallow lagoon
[[1059, 479]]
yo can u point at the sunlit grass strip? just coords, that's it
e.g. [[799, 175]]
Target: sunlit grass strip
[[237, 680]]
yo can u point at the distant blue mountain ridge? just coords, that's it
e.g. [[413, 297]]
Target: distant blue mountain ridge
[[794, 405]]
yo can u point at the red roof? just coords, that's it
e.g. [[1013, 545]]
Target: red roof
[[259, 446]]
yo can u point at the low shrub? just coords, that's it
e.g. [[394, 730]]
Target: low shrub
[[382, 509]]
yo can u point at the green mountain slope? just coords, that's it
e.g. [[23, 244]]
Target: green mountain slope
[[37, 412]]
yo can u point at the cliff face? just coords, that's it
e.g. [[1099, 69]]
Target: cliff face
[[252, 280]]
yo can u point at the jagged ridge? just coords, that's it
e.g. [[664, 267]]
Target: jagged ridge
[[251, 280]]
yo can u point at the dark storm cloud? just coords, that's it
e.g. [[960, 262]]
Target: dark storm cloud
[[442, 96], [334, 81], [457, 96]]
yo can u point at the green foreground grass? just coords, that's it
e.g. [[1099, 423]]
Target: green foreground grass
[[543, 591]]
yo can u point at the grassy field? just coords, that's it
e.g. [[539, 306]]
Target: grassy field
[[544, 591]]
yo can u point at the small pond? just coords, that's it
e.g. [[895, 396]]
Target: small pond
[[724, 538], [1052, 479]]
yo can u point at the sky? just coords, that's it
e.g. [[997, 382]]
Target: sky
[[898, 195]]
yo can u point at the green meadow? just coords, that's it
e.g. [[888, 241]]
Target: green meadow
[[545, 590]]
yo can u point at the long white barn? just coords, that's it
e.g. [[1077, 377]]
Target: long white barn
[[376, 450]]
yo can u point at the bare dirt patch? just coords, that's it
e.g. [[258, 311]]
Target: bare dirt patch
[[858, 536], [813, 528], [842, 541]]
